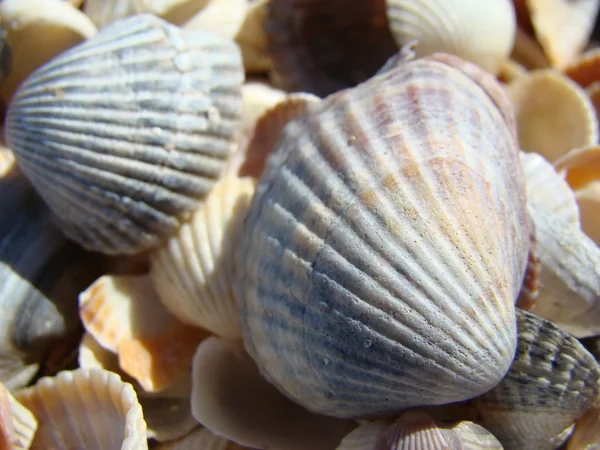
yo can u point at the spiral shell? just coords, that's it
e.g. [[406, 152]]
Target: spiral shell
[[389, 217], [121, 168]]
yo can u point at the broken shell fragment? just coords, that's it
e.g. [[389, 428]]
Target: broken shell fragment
[[554, 114], [481, 31], [121, 170], [125, 316], [17, 424], [351, 282], [107, 412], [193, 271]]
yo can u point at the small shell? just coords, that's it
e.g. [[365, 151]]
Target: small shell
[[200, 439], [586, 69], [17, 424], [586, 435], [481, 31], [551, 383], [125, 316], [563, 27], [221, 17], [416, 430], [554, 114], [358, 42], [37, 31], [352, 282], [193, 271], [121, 169], [108, 414], [230, 397], [252, 38]]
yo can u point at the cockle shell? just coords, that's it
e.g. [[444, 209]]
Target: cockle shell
[[551, 383], [17, 424], [103, 12], [37, 31], [384, 222], [85, 409], [125, 316], [416, 430], [481, 31], [321, 47], [554, 114], [120, 169], [193, 271]]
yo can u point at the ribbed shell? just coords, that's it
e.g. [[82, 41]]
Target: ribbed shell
[[123, 134], [386, 244], [551, 383], [481, 31], [17, 424]]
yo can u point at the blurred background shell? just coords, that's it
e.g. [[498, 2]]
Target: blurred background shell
[[17, 424], [371, 240], [481, 31], [85, 408], [121, 168]]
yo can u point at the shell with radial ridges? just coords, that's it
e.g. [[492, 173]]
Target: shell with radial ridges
[[386, 244]]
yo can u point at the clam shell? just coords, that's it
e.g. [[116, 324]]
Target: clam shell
[[551, 383], [17, 424], [586, 435], [481, 31], [358, 41], [85, 408], [37, 31], [374, 235], [121, 170], [125, 316], [252, 39], [193, 271], [201, 438], [232, 399], [554, 114]]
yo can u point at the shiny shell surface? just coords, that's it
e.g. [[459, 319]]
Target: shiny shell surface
[[122, 135], [379, 269]]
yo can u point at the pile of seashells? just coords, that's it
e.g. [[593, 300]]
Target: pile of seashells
[[299, 224]]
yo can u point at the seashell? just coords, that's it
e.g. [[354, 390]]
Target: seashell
[[103, 12], [581, 168], [107, 411], [232, 399], [481, 31], [124, 315], [510, 70], [416, 430], [37, 31], [193, 271], [593, 92], [551, 383], [351, 281], [17, 424], [358, 41], [585, 70], [130, 193], [221, 17], [252, 39], [553, 113], [586, 435], [528, 52], [530, 290], [570, 260], [562, 27], [200, 438], [41, 274]]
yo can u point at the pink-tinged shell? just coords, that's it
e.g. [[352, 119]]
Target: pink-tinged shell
[[386, 244]]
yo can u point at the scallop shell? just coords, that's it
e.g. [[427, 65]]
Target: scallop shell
[[107, 411], [134, 162], [232, 399], [358, 42], [586, 435], [193, 271], [416, 430], [125, 316], [201, 438], [563, 27], [17, 424], [252, 39], [37, 31], [551, 383], [481, 31], [375, 234], [554, 114]]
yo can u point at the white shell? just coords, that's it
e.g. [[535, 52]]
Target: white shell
[[121, 168], [17, 424]]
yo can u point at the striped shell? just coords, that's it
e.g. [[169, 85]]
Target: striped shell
[[386, 244], [123, 134]]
